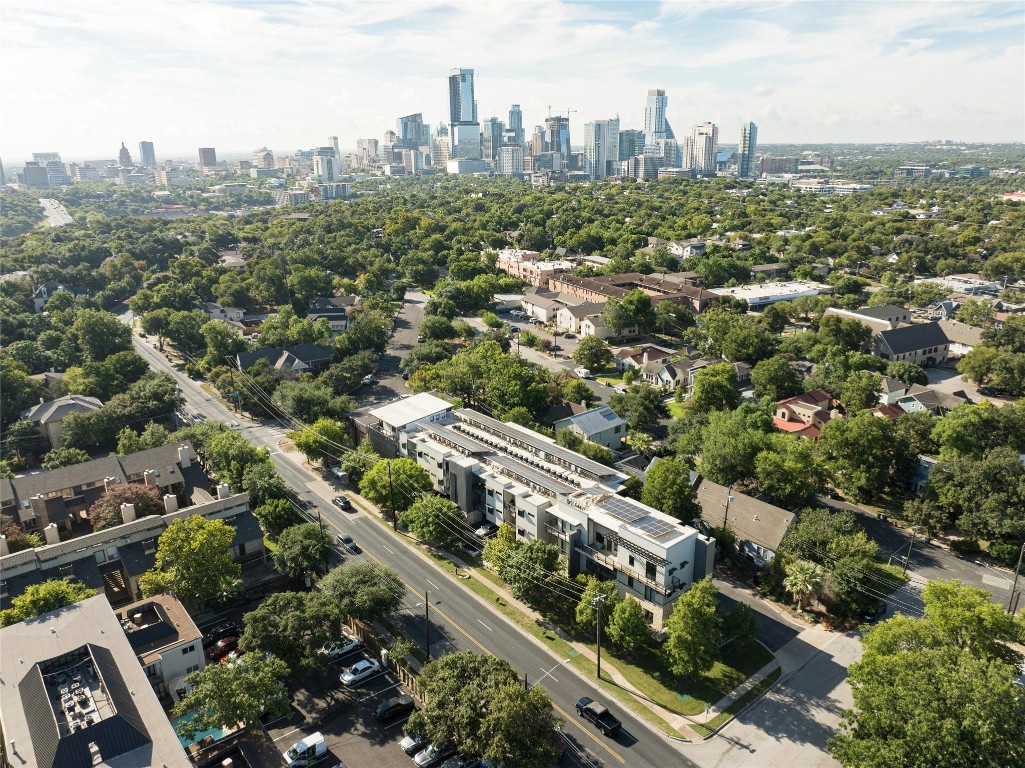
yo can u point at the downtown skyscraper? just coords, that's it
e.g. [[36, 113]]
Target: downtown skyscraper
[[705, 146], [746, 151], [146, 154], [462, 110], [601, 147], [516, 123]]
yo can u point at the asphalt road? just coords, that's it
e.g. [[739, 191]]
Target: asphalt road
[[388, 383], [55, 213]]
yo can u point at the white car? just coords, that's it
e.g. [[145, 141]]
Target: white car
[[360, 671], [342, 647]]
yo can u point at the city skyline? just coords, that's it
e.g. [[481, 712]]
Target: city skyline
[[804, 72]]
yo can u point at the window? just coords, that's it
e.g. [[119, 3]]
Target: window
[[66, 571], [190, 670], [112, 553], [521, 513], [599, 539], [521, 533], [100, 555], [631, 559], [630, 581], [241, 549], [649, 571], [188, 649], [649, 616], [618, 429]]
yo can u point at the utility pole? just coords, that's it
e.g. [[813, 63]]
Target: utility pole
[[729, 498], [427, 624], [234, 391], [526, 685], [1011, 602], [391, 492], [914, 535], [599, 600]]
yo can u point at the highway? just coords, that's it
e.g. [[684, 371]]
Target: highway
[[460, 619], [55, 213]]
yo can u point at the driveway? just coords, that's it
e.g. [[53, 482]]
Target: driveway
[[947, 379]]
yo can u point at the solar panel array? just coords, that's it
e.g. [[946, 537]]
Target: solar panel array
[[657, 529], [623, 509]]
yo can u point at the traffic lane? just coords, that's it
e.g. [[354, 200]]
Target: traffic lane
[[493, 633]]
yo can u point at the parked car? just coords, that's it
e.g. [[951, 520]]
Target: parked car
[[569, 335], [343, 647], [461, 761], [307, 751], [232, 657], [222, 630], [405, 376], [412, 743], [420, 339], [394, 708], [432, 756], [486, 529], [342, 502], [222, 647], [346, 541], [595, 712], [517, 313], [368, 379], [360, 671]]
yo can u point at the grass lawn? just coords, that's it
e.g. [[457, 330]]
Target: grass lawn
[[676, 410], [269, 545], [612, 378], [736, 707]]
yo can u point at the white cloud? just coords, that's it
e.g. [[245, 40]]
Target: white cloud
[[80, 76]]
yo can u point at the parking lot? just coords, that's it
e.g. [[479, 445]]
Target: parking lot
[[345, 716]]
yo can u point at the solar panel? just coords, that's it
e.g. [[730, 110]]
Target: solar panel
[[622, 509], [658, 528]]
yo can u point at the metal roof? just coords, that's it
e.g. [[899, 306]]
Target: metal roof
[[409, 409]]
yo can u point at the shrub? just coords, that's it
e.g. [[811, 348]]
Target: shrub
[[965, 546], [1005, 552]]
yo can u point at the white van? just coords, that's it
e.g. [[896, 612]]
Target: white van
[[583, 373], [307, 751]]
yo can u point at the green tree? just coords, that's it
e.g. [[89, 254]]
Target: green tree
[[100, 334], [864, 455], [907, 373], [860, 391], [241, 692], [694, 630], [436, 328], [17, 539], [302, 551], [628, 628], [223, 342], [432, 519], [499, 547], [357, 463], [788, 471], [276, 515], [293, 626], [231, 455], [803, 580], [323, 440], [715, 389], [308, 401], [617, 317], [528, 570], [185, 329], [407, 478], [153, 436], [938, 690], [730, 442], [460, 690], [38, 599], [194, 562], [775, 379], [364, 590], [98, 380], [263, 484], [642, 407], [816, 527], [156, 324], [587, 611], [740, 625], [106, 510], [667, 488], [593, 353], [519, 728], [64, 457]]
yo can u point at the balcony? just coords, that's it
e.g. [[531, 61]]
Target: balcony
[[608, 560]]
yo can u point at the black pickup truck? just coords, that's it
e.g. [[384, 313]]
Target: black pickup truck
[[589, 709]]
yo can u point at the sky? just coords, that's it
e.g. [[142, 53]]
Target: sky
[[81, 76]]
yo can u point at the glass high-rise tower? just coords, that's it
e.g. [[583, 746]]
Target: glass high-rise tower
[[462, 112], [746, 153], [516, 122]]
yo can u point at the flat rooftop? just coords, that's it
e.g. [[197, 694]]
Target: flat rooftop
[[409, 409], [755, 291], [155, 623]]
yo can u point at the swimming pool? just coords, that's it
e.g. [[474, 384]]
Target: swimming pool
[[217, 733]]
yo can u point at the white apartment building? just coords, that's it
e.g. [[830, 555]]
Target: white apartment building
[[166, 641], [510, 160], [504, 473]]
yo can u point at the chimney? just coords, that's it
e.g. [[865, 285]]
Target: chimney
[[183, 456], [128, 512], [223, 491], [150, 475], [51, 534], [109, 481], [41, 401], [583, 404], [170, 503], [4, 549]]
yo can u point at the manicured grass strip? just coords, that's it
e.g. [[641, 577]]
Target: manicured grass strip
[[736, 707], [676, 410], [269, 545]]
